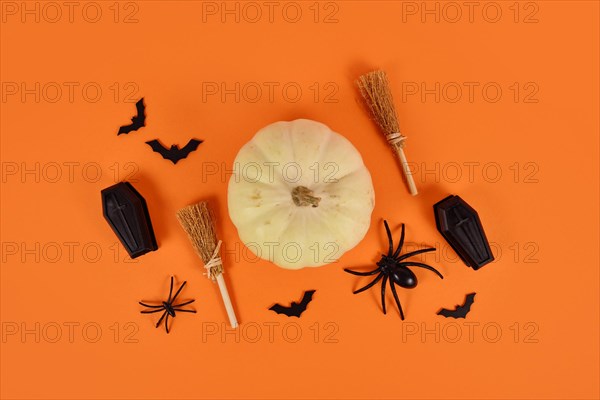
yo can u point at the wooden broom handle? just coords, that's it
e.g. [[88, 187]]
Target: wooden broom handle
[[412, 188], [396, 140], [227, 301]]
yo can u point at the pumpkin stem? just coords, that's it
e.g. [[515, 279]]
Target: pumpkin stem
[[303, 197]]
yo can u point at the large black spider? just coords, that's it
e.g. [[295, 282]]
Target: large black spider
[[392, 267], [168, 306]]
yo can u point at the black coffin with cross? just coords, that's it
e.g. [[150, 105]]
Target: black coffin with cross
[[127, 214], [460, 225]]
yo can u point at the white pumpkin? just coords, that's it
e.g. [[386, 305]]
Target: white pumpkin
[[300, 194]]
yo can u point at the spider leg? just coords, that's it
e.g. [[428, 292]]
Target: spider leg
[[370, 284], [150, 311], [161, 318], [184, 304], [361, 273], [393, 287], [414, 253], [170, 290], [389, 235], [149, 306], [400, 244], [383, 285], [178, 309], [167, 323], [178, 291], [418, 264]]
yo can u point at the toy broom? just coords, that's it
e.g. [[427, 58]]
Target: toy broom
[[197, 221], [375, 90]]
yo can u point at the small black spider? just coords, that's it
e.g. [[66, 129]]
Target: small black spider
[[168, 306], [393, 267]]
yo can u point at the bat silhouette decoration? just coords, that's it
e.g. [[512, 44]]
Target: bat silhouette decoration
[[137, 121], [295, 309], [174, 154], [459, 311]]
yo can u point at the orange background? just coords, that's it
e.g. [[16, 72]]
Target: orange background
[[535, 317]]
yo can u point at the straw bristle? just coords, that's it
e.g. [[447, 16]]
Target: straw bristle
[[197, 222], [375, 89]]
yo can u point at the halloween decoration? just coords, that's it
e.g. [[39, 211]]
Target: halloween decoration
[[375, 90], [197, 221], [126, 212], [295, 309], [174, 153], [303, 187], [460, 225], [137, 121], [392, 267], [459, 311], [169, 309]]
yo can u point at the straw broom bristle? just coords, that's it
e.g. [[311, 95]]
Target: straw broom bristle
[[197, 221], [375, 89]]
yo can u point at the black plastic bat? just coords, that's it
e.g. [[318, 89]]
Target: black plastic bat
[[295, 309], [137, 121], [459, 311], [174, 154]]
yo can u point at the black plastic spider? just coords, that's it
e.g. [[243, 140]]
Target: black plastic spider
[[168, 306], [393, 267]]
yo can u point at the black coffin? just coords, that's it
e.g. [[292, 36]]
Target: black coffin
[[127, 214], [460, 225]]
